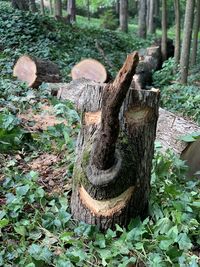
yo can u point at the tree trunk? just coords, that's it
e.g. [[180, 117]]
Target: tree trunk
[[71, 9], [142, 11], [20, 4], [42, 7], [58, 8], [33, 6], [187, 34], [178, 31], [34, 71], [151, 24], [123, 16], [88, 9], [117, 6], [111, 180], [147, 14], [164, 30], [196, 32], [51, 6]]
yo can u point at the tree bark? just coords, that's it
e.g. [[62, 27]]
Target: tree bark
[[178, 31], [109, 190], [71, 9], [58, 8], [151, 24], [34, 71], [164, 30], [123, 16], [88, 9], [187, 34], [196, 32], [20, 4], [42, 7], [33, 6], [51, 6], [142, 18]]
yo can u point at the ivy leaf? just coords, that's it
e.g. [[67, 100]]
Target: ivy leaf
[[184, 241], [22, 190], [3, 223]]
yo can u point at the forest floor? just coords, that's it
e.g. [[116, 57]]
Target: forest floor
[[37, 139]]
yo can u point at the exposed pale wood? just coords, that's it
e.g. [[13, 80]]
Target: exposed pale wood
[[34, 71], [90, 69]]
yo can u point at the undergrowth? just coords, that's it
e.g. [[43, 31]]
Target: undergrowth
[[36, 227]]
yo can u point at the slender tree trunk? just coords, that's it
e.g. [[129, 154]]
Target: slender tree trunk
[[88, 9], [147, 13], [58, 8], [117, 7], [164, 30], [123, 15], [142, 11], [177, 51], [33, 6], [187, 35], [51, 6], [156, 12], [151, 26], [71, 9], [196, 32], [42, 7], [20, 4]]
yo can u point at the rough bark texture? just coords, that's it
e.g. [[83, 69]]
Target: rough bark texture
[[196, 32], [142, 11], [164, 30], [177, 51], [34, 71], [58, 8], [123, 15], [116, 193], [187, 35], [20, 4], [71, 9]]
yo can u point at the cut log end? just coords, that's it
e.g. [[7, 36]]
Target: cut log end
[[90, 69], [35, 71], [25, 70]]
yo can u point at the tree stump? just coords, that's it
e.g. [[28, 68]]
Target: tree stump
[[90, 69], [34, 71], [111, 180]]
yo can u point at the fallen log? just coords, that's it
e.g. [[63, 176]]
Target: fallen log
[[90, 69], [111, 179], [34, 71]]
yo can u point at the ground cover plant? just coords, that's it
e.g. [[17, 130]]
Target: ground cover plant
[[37, 142]]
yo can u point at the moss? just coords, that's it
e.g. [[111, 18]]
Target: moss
[[85, 157]]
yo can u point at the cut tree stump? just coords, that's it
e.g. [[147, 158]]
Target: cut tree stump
[[115, 147], [90, 69], [34, 71]]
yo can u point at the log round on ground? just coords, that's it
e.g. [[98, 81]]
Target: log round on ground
[[90, 69], [34, 71]]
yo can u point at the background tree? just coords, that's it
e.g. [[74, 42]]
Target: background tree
[[123, 15], [71, 9], [142, 11], [58, 8], [33, 6], [51, 7], [42, 7], [196, 32], [164, 30], [20, 4], [151, 24], [187, 34], [177, 51]]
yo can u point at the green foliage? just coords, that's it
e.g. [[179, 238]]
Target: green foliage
[[109, 20], [165, 75], [37, 229], [183, 99]]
